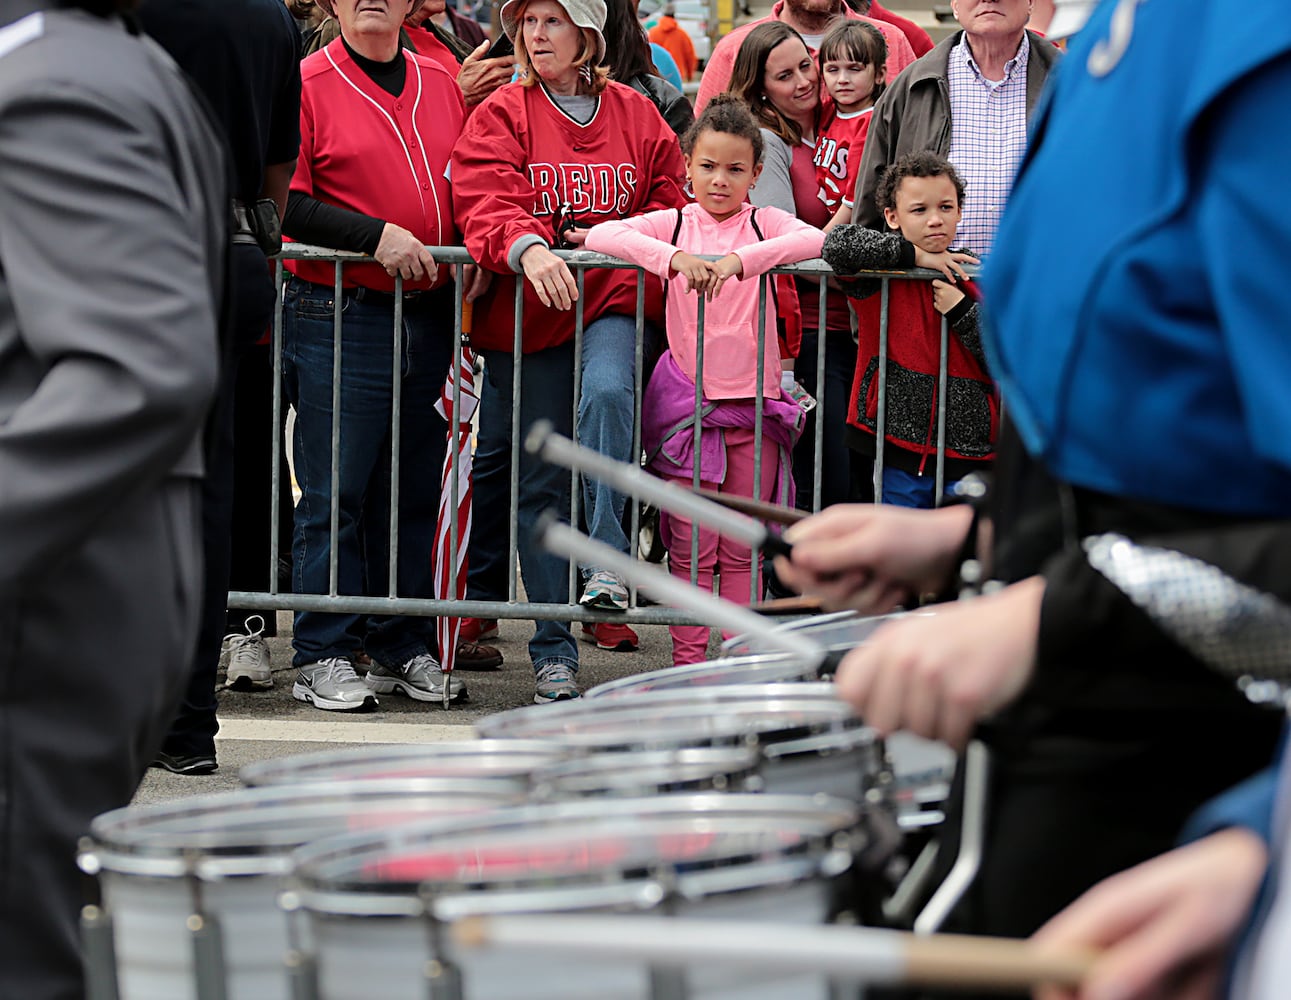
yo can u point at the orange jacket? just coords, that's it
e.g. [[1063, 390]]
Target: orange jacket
[[673, 37]]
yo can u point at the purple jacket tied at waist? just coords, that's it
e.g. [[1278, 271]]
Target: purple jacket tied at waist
[[668, 429]]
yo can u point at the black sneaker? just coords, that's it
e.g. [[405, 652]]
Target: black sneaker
[[198, 763]]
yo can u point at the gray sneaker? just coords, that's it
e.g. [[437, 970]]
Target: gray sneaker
[[332, 684], [555, 682], [421, 678], [248, 658], [604, 590]]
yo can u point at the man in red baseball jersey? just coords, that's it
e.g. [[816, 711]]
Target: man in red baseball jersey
[[377, 126]]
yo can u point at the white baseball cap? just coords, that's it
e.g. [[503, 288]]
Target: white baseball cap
[[588, 14]]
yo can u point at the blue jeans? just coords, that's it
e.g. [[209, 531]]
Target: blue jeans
[[604, 423], [907, 489], [840, 363], [367, 360]]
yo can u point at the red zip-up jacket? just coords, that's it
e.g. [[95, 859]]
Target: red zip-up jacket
[[520, 161], [914, 350]]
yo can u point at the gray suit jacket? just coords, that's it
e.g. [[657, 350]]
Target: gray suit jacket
[[112, 219]]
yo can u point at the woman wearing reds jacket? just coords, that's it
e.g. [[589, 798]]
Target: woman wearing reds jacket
[[540, 161]]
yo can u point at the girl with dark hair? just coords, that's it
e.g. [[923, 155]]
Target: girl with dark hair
[[742, 357], [852, 57]]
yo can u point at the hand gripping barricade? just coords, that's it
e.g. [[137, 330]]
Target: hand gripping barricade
[[190, 888], [374, 907]]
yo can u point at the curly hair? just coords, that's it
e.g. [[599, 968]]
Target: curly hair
[[921, 164], [748, 76], [729, 115]]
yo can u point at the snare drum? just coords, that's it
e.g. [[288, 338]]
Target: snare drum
[[759, 668], [507, 761], [835, 632], [221, 858], [755, 715], [652, 772], [375, 907]]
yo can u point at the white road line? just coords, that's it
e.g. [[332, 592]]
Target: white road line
[[328, 731]]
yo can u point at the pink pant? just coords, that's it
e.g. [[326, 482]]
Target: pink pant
[[719, 554]]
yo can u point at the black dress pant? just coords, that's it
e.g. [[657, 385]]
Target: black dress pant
[[249, 314]]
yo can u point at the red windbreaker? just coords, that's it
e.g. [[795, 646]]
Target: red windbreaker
[[521, 160]]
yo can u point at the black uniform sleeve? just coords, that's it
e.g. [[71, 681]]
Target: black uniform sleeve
[[1084, 613], [312, 221]]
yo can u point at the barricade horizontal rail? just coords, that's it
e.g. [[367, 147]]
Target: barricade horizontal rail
[[395, 603]]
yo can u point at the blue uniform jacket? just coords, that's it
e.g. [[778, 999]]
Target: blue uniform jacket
[[1162, 370]]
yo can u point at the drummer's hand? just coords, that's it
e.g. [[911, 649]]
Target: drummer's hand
[[1164, 927], [873, 557], [938, 675]]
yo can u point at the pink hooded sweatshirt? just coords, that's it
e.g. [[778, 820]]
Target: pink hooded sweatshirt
[[731, 319]]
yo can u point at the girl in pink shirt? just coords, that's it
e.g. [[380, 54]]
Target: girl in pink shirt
[[723, 159]]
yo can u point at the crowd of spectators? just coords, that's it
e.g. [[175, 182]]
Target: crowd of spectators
[[415, 135], [822, 130]]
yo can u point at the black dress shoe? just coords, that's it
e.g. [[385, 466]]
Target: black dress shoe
[[198, 763]]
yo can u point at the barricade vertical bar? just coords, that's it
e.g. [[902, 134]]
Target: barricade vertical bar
[[699, 433], [638, 394], [941, 411], [575, 494], [881, 417], [821, 350], [396, 409], [97, 941], [334, 512], [759, 411], [275, 447], [517, 372]]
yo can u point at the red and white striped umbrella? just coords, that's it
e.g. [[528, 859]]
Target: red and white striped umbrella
[[450, 575]]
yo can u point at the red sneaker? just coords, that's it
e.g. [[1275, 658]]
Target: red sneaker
[[477, 629], [611, 636]]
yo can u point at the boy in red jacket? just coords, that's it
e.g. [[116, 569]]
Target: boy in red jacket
[[921, 198]]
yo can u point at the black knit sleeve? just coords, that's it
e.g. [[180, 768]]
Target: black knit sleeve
[[852, 248], [309, 220]]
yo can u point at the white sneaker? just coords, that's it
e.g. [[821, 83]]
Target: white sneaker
[[332, 684], [248, 658], [604, 590], [421, 678]]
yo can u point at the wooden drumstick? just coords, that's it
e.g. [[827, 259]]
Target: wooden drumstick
[[630, 479], [874, 957], [788, 606], [763, 511]]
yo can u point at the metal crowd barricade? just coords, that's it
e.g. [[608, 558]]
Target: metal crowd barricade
[[393, 603]]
